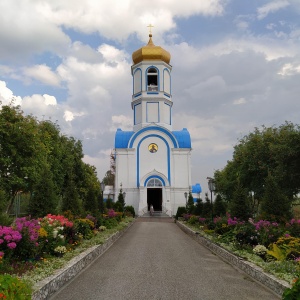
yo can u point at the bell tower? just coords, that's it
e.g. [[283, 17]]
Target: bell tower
[[151, 99]]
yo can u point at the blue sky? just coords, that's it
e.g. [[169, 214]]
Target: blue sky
[[236, 66]]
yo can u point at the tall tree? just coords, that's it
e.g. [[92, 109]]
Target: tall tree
[[239, 206], [275, 205]]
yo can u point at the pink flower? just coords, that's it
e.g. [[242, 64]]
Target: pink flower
[[1, 253], [12, 245]]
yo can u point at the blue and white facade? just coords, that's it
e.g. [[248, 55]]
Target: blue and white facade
[[153, 161]]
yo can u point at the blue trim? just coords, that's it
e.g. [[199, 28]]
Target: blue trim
[[169, 111], [152, 93], [138, 157], [154, 176], [167, 95], [139, 94], [134, 121], [146, 76], [156, 128]]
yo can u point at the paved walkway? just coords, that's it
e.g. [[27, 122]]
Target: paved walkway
[[156, 260]]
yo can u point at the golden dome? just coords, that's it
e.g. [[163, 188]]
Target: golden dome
[[151, 52]]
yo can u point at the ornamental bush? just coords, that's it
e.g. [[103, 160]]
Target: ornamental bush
[[180, 211], [12, 288], [27, 247]]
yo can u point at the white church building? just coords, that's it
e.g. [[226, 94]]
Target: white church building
[[153, 162]]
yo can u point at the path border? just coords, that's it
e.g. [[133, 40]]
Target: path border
[[255, 272], [50, 285]]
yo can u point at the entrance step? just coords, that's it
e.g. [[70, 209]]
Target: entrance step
[[156, 214]]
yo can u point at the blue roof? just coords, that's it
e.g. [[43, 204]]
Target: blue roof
[[122, 138], [183, 138], [196, 188]]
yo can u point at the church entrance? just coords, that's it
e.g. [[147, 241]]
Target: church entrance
[[154, 197]]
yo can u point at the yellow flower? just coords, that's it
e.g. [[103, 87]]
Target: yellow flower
[[43, 232]]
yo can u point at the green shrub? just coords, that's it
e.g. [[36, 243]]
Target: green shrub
[[5, 219], [180, 211], [84, 227], [110, 223], [293, 293], [12, 288], [193, 220], [130, 209]]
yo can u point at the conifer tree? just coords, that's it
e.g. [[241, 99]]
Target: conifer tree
[[275, 205], [239, 206], [199, 207], [219, 206], [206, 207], [190, 204], [44, 199]]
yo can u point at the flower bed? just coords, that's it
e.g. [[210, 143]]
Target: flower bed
[[34, 248], [273, 247]]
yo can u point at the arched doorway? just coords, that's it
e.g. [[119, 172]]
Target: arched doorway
[[154, 194]]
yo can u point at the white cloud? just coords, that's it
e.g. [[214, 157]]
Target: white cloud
[[121, 121], [42, 73], [271, 7], [7, 96], [289, 69], [239, 101]]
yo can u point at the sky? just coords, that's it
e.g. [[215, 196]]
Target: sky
[[235, 66]]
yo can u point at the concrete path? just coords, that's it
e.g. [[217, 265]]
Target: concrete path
[[156, 260]]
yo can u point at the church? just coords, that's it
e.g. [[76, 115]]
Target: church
[[153, 162]]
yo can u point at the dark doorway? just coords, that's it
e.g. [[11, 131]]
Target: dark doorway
[[154, 197]]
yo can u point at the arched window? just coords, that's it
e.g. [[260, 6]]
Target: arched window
[[154, 182], [152, 80]]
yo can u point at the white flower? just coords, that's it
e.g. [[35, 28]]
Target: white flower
[[55, 232], [60, 249], [260, 250]]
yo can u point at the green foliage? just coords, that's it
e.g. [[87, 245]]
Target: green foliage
[[5, 219], [180, 211], [239, 206], [275, 205], [278, 253], [130, 209], [120, 204], [219, 206], [292, 293], [190, 204], [109, 204], [207, 207], [13, 288], [44, 199], [266, 150], [110, 223], [84, 227], [34, 152], [193, 220], [198, 207], [109, 178]]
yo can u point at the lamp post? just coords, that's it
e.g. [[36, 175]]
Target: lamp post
[[211, 186], [185, 195]]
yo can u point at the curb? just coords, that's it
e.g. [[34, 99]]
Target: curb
[[255, 272], [51, 284]]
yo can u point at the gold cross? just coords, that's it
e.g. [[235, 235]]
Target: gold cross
[[150, 26]]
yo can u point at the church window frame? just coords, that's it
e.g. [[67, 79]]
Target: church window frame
[[152, 82], [154, 183]]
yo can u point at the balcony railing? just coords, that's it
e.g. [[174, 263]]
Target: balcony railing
[[152, 88]]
